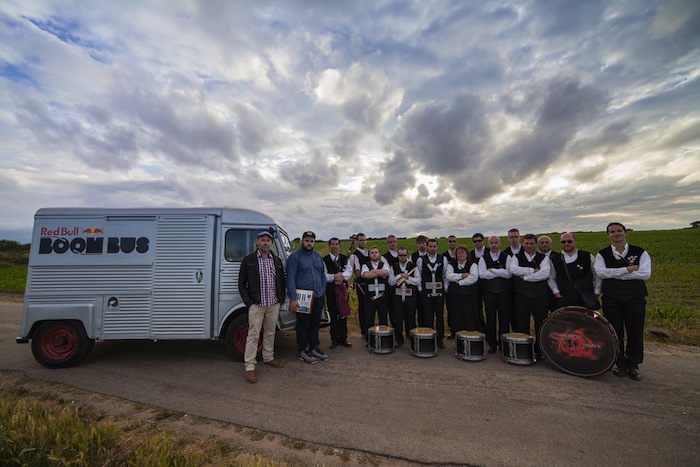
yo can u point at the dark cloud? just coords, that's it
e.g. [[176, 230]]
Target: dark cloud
[[398, 175], [313, 175]]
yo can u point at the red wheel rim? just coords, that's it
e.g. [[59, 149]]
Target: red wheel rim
[[59, 342], [240, 337]]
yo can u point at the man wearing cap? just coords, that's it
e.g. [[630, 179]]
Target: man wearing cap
[[261, 283], [307, 271]]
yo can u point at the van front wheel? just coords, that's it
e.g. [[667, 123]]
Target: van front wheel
[[60, 344], [236, 336]]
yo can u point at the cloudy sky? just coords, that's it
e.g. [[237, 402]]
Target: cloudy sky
[[434, 117]]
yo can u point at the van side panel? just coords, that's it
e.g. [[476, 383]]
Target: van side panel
[[181, 304]]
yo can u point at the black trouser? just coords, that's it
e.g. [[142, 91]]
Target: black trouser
[[627, 316], [372, 307], [339, 326], [535, 306], [361, 290], [403, 313], [498, 306], [307, 326], [449, 304], [434, 310]]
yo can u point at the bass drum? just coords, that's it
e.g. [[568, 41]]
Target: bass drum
[[579, 341]]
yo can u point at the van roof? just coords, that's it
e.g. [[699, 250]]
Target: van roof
[[234, 215]]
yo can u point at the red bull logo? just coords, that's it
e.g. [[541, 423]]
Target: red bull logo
[[93, 231]]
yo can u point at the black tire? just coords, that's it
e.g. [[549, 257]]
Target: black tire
[[236, 335], [60, 344]]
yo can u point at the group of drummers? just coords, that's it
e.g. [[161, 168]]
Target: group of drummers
[[523, 281]]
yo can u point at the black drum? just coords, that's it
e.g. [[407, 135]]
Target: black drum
[[423, 342], [470, 346], [579, 341], [380, 339], [518, 348]]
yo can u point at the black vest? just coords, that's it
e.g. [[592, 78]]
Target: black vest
[[390, 259], [498, 284], [415, 255], [580, 272], [397, 271], [427, 274], [457, 289], [530, 289], [620, 289], [364, 259]]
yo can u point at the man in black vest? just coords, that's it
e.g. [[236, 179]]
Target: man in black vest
[[405, 295], [475, 255], [581, 274], [391, 258], [451, 256], [494, 273], [513, 249], [623, 269], [358, 258], [336, 264], [530, 270], [432, 268], [376, 273], [544, 246], [421, 251]]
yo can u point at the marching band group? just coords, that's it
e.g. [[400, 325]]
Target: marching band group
[[511, 285]]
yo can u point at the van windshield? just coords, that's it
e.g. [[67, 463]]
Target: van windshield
[[241, 242]]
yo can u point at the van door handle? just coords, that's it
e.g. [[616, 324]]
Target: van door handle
[[199, 275]]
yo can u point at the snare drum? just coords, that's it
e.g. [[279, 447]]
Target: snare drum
[[579, 341], [470, 346], [518, 348], [380, 339], [423, 342]]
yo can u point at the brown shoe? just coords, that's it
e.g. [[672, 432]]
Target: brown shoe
[[250, 377], [274, 363]]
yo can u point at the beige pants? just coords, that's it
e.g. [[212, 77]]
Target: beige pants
[[265, 317]]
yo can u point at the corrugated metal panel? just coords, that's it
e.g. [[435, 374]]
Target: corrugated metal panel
[[180, 305], [129, 320], [88, 279], [229, 279]]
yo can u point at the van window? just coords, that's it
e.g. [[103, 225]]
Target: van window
[[241, 242]]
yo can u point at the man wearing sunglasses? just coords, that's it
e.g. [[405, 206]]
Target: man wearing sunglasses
[[580, 277], [475, 255], [451, 256]]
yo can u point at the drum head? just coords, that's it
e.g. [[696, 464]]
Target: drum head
[[579, 341]]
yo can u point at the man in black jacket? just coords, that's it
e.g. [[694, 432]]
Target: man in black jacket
[[262, 285]]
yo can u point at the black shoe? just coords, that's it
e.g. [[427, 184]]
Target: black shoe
[[451, 336], [620, 370], [441, 344], [399, 344], [492, 349], [635, 374], [346, 344], [333, 345]]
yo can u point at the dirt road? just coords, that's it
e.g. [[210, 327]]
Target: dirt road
[[435, 411]]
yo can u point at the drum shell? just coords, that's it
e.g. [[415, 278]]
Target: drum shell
[[380, 339], [579, 341], [423, 342], [470, 346], [518, 348]]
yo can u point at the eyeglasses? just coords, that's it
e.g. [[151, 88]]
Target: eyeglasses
[[402, 256], [565, 241], [451, 241], [477, 240]]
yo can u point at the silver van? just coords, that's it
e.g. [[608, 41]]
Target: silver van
[[106, 274]]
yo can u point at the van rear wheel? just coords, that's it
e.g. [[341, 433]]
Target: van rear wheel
[[236, 336], [60, 344]]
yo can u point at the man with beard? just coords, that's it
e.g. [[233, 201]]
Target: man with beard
[[307, 272], [405, 295], [432, 269], [359, 258], [494, 273]]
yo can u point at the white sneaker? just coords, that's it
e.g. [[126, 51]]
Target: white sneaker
[[318, 354], [305, 357]]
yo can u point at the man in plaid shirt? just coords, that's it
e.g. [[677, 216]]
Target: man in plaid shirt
[[262, 286]]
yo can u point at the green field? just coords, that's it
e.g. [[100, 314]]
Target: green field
[[674, 287]]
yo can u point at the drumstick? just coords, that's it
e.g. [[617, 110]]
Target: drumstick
[[400, 281]]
